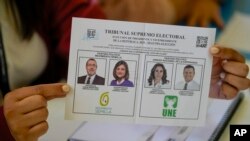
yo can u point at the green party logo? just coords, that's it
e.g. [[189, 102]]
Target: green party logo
[[104, 99], [170, 104]]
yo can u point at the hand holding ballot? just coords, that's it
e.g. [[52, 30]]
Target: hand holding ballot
[[229, 73], [26, 110]]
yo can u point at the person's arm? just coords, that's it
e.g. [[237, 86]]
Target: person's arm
[[5, 134], [229, 73]]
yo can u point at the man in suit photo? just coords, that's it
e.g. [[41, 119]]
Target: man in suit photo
[[91, 77]]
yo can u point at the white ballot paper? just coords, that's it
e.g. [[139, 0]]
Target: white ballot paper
[[132, 72]]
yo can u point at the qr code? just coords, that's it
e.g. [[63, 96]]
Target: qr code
[[201, 41]]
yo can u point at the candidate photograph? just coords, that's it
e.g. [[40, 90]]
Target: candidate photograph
[[91, 77], [189, 78], [158, 76], [121, 75]]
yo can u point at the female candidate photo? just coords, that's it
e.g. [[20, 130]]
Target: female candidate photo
[[158, 77], [121, 75]]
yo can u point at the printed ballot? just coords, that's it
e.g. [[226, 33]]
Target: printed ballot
[[131, 72]]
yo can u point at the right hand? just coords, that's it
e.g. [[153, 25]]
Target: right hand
[[26, 112]]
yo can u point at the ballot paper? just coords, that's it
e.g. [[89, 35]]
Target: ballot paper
[[126, 60]]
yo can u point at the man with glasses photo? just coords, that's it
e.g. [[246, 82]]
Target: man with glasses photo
[[91, 77]]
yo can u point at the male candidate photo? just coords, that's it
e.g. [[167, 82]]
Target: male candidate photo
[[91, 77], [188, 83]]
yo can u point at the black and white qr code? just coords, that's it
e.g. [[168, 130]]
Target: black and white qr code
[[201, 41]]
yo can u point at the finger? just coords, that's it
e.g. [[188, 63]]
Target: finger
[[192, 20], [204, 22], [236, 68], [218, 20], [28, 120], [235, 81], [222, 90], [35, 117], [226, 53], [228, 91], [32, 103], [49, 91], [38, 130]]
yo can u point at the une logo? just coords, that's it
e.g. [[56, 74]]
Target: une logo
[[170, 104], [104, 99]]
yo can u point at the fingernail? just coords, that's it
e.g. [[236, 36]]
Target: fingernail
[[219, 82], [66, 88], [224, 61], [215, 50], [222, 75]]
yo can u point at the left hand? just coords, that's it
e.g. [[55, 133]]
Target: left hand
[[229, 73], [204, 12]]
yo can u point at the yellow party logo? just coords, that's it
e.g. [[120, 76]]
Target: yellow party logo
[[104, 99]]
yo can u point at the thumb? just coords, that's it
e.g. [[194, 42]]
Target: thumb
[[48, 91], [226, 54]]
